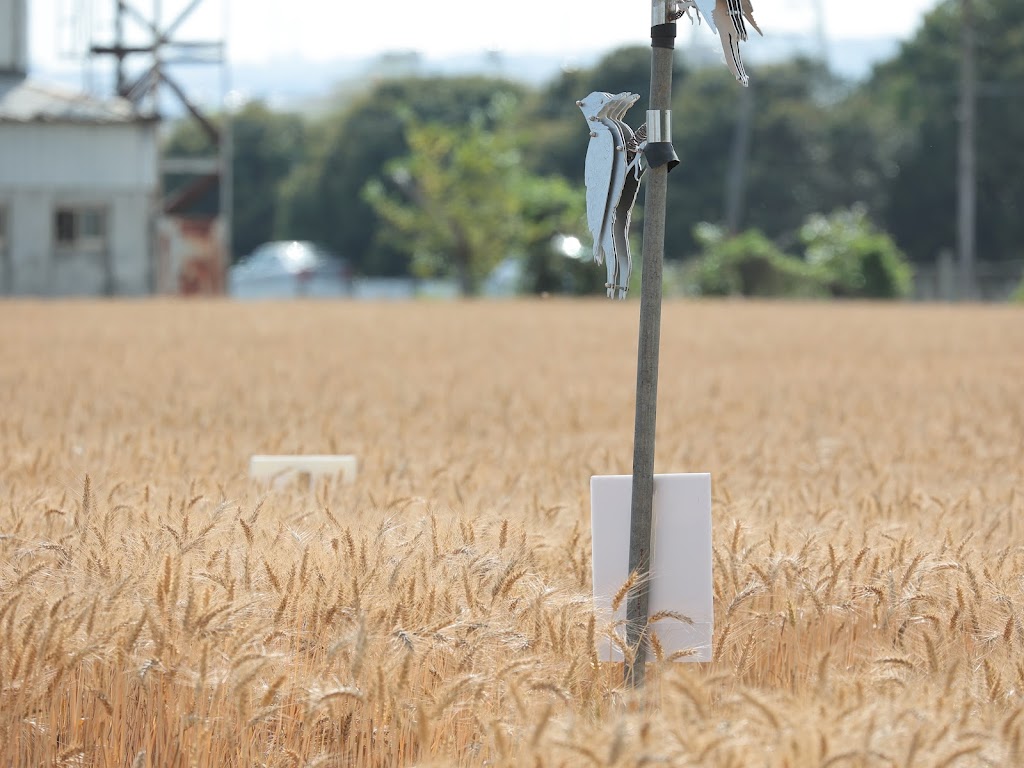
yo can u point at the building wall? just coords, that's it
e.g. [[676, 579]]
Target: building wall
[[46, 167], [78, 155], [14, 36]]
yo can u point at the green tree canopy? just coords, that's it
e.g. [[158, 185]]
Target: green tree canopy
[[462, 200], [816, 144], [804, 145], [324, 197], [920, 88], [853, 258]]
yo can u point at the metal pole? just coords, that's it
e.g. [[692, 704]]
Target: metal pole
[[227, 157], [736, 180], [655, 202], [967, 176], [121, 83]]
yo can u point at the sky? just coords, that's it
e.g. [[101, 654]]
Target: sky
[[262, 31]]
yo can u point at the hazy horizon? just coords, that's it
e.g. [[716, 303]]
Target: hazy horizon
[[264, 31]]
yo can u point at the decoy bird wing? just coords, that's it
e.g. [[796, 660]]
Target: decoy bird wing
[[621, 135], [613, 108], [748, 12], [623, 218], [731, 48], [598, 178], [619, 161], [628, 137], [735, 13], [623, 102], [615, 126], [707, 10]]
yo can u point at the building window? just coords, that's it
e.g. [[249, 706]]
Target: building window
[[82, 228]]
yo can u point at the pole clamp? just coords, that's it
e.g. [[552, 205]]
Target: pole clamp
[[659, 150]]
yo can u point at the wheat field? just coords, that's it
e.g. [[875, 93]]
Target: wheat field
[[158, 608]]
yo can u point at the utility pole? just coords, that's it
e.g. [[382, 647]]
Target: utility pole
[[118, 47], [820, 31], [736, 180], [967, 181], [729, 20], [661, 158]]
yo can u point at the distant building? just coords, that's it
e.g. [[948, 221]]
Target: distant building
[[79, 183], [397, 64]]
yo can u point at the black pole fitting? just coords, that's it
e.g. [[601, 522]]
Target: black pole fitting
[[664, 36]]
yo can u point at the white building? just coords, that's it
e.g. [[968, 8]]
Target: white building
[[79, 183]]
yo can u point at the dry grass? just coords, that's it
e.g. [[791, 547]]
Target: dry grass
[[156, 609]]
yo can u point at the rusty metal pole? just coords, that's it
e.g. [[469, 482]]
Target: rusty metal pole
[[661, 158]]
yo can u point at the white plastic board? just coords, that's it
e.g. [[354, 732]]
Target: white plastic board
[[680, 566], [284, 468]]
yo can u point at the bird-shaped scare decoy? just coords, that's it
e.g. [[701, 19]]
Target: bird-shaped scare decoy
[[613, 171], [615, 154], [729, 19]]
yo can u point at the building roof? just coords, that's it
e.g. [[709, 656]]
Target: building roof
[[28, 101]]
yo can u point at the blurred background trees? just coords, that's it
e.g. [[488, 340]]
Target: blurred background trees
[[813, 185], [324, 200], [455, 201]]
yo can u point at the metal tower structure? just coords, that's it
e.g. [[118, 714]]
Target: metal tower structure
[[820, 33], [149, 48]]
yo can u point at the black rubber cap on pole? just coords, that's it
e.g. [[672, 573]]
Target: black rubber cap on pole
[[663, 35], [661, 153]]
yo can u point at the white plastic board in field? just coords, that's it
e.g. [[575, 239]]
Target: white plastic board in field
[[285, 468], [680, 566]]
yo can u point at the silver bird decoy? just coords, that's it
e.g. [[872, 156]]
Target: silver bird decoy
[[628, 182], [612, 177], [729, 19]]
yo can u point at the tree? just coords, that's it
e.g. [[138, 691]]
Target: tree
[[325, 195], [553, 211], [749, 264], [449, 200], [461, 200], [803, 143], [816, 143], [920, 87], [854, 258]]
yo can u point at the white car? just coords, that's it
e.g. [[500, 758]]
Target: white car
[[289, 269]]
